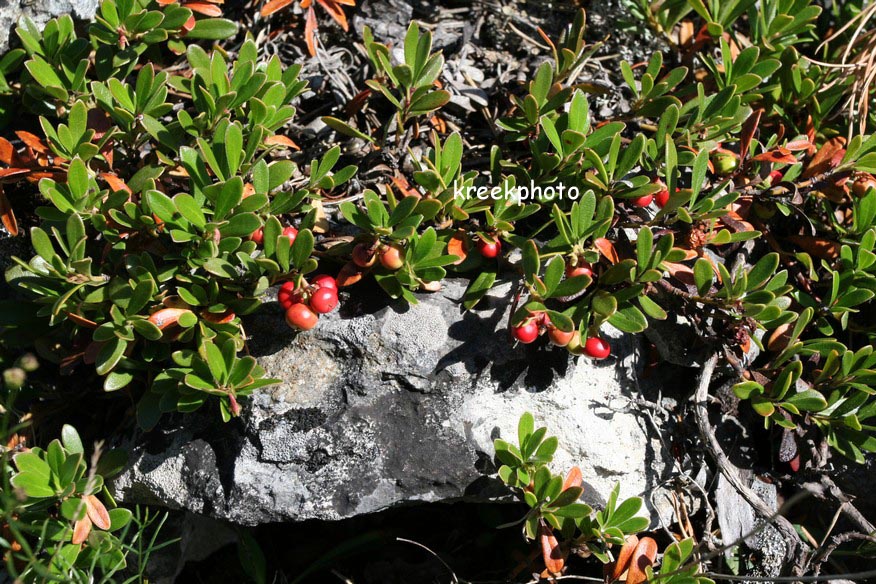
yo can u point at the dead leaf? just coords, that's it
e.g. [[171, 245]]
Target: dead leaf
[[204, 8], [606, 248], [281, 140], [550, 550], [574, 478], [778, 156], [310, 30], [622, 562], [275, 5], [115, 183], [96, 511], [81, 529], [819, 247], [336, 12], [827, 157], [6, 214], [749, 128], [643, 556], [459, 245]]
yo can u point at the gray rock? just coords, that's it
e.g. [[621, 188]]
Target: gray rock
[[40, 11], [390, 407]]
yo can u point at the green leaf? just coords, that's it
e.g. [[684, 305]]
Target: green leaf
[[344, 128], [213, 29], [629, 319], [110, 355], [161, 205], [70, 439], [525, 427], [703, 276], [809, 400]]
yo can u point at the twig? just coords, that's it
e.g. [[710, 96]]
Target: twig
[[826, 578], [796, 551], [453, 577]]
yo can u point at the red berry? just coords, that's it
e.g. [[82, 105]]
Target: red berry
[[291, 233], [642, 201], [391, 257], [363, 255], [526, 332], [560, 338], [775, 177], [597, 348], [325, 281], [287, 296], [258, 236], [489, 249], [324, 300], [582, 269], [300, 317], [661, 197]]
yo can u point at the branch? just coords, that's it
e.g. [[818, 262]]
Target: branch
[[796, 553]]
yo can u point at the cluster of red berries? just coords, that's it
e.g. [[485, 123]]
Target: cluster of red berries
[[304, 305], [530, 329], [661, 197], [258, 235]]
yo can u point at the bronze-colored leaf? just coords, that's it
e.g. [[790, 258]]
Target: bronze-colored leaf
[[828, 157], [81, 529], [96, 511], [550, 550]]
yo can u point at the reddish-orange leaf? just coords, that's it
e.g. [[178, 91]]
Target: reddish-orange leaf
[[680, 272], [32, 141], [189, 25], [348, 275], [280, 140], [624, 556], [81, 529], [115, 183], [166, 2], [820, 247], [643, 557], [310, 31], [748, 130], [550, 550], [220, 318], [778, 156], [81, 320], [800, 145], [459, 245], [6, 214], [204, 8], [273, 6], [573, 479], [606, 248], [336, 12], [827, 157], [97, 512], [306, 3], [7, 152], [12, 172]]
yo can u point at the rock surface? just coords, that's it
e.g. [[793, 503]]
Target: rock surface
[[396, 405], [40, 11]]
